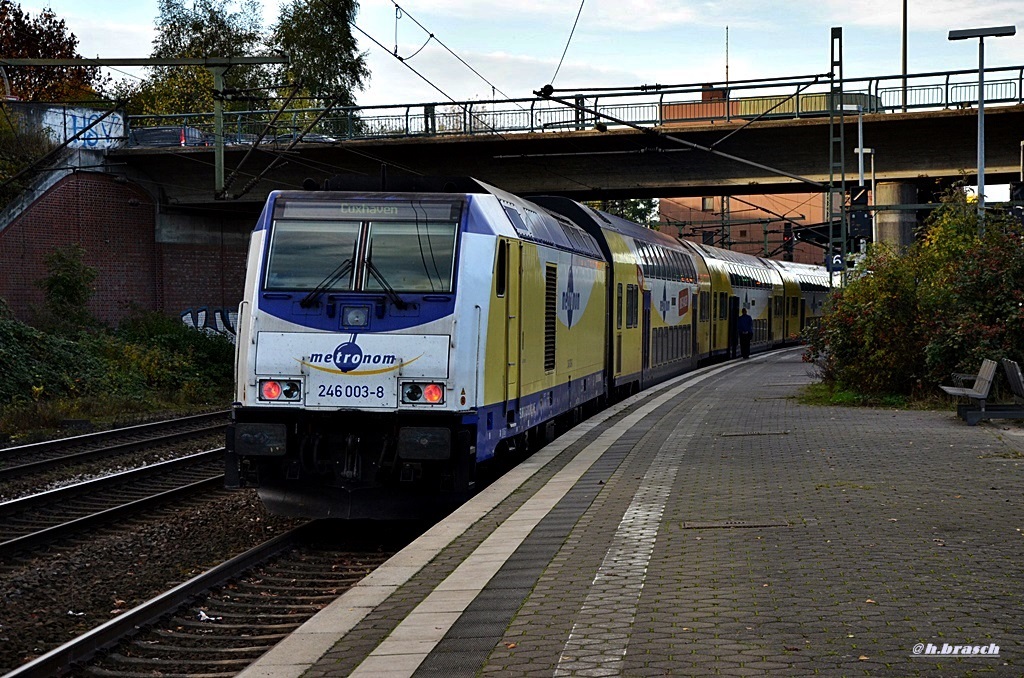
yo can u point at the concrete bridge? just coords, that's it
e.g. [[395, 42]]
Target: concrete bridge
[[150, 223], [920, 147]]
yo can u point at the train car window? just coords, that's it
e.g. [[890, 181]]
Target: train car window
[[517, 222], [501, 269], [723, 305], [635, 316], [645, 265], [675, 271], [660, 266], [305, 254], [704, 306], [631, 303], [550, 314], [411, 256], [618, 307]]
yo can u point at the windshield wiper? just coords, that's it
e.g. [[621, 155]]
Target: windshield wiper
[[390, 291], [334, 276]]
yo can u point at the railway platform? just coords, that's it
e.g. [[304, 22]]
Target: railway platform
[[712, 525]]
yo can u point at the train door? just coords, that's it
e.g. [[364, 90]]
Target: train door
[[513, 312], [694, 339], [646, 337], [734, 333], [790, 315], [803, 313]]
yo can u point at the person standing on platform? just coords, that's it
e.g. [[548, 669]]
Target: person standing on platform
[[746, 329]]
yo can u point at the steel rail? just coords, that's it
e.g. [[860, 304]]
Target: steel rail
[[98, 436], [60, 660], [58, 495]]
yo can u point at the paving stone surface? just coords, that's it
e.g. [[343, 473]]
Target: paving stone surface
[[737, 532]]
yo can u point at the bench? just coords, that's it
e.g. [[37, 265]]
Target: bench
[[1014, 410], [980, 408], [1016, 379], [977, 393]]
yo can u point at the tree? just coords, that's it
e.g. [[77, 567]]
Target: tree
[[203, 28], [68, 287], [43, 37], [643, 212], [950, 300], [318, 36]]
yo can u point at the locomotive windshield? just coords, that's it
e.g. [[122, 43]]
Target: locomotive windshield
[[412, 256], [400, 246]]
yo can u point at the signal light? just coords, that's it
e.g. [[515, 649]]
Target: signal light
[[432, 394], [271, 389]]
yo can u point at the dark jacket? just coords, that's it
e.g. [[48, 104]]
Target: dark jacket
[[745, 325]]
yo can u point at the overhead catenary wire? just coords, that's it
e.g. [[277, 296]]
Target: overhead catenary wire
[[569, 41], [463, 106], [405, 12], [546, 93]]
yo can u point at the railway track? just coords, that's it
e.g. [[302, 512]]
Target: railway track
[[39, 519], [218, 623], [23, 460]]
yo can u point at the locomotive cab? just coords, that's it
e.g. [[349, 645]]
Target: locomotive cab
[[350, 319]]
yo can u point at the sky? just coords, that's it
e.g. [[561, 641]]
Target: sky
[[516, 45]]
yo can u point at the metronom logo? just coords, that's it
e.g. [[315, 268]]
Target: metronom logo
[[349, 356]]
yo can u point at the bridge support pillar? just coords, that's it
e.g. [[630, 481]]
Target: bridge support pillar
[[895, 227]]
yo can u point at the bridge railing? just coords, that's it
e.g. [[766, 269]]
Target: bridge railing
[[653, 105]]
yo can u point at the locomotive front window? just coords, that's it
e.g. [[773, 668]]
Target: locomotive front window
[[411, 256], [363, 245], [304, 254]]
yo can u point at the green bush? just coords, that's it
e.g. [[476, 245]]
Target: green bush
[[37, 365], [67, 288], [952, 299], [151, 363], [168, 354]]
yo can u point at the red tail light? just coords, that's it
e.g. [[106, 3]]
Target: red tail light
[[433, 393], [271, 390]]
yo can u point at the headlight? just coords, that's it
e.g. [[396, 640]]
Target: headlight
[[431, 394], [355, 316], [280, 390]]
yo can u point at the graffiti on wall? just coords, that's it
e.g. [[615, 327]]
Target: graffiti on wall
[[64, 123], [218, 320]]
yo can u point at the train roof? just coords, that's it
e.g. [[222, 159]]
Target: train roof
[[590, 219], [534, 223], [395, 182]]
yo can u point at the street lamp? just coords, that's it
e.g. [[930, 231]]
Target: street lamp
[[981, 34]]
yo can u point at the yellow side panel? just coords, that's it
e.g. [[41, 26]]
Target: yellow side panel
[[627, 335], [720, 286], [515, 351]]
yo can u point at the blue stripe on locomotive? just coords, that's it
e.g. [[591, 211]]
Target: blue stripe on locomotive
[[534, 409]]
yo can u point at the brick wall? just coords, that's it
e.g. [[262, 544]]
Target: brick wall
[[112, 221], [198, 274]]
